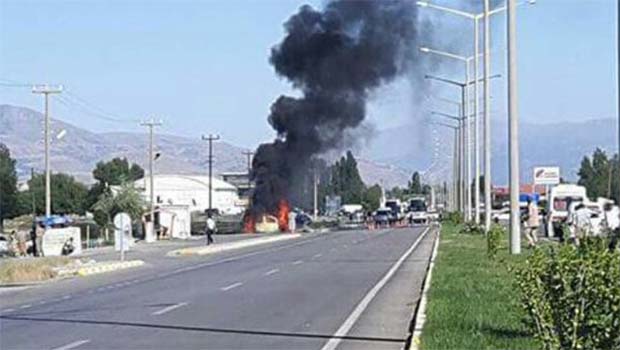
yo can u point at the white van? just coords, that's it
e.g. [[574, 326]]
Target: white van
[[560, 197]]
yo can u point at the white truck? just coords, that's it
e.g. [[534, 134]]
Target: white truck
[[560, 199]]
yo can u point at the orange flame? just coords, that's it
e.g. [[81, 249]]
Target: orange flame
[[283, 210]]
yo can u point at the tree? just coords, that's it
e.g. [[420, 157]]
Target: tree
[[112, 173], [126, 199], [415, 185], [599, 175], [68, 195], [346, 180], [8, 185], [372, 198]]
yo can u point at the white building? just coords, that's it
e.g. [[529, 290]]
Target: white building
[[192, 191]]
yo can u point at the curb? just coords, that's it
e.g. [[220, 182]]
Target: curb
[[107, 267], [98, 268], [216, 248], [420, 309]]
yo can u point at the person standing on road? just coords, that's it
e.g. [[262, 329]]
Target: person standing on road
[[210, 228], [533, 222]]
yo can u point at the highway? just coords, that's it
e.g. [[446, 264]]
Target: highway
[[344, 290]]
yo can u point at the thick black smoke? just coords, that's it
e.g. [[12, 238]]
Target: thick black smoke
[[336, 57]]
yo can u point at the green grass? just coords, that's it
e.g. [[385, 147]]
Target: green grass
[[473, 301]]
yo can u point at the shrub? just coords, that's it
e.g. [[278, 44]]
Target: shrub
[[572, 295], [453, 217], [471, 228], [494, 239]]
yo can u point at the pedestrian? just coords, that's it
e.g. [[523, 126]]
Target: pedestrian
[[579, 222], [210, 229], [39, 233], [532, 223]]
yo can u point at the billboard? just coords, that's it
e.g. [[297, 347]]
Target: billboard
[[548, 175]]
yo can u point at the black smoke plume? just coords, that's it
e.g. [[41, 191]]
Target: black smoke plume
[[336, 58]]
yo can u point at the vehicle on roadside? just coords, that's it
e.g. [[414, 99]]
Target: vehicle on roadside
[[396, 210], [382, 217], [4, 245], [561, 197], [267, 224], [418, 211]]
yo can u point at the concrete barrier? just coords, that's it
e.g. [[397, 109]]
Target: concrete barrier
[[221, 247]]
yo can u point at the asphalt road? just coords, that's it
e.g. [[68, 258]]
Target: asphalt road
[[346, 290]]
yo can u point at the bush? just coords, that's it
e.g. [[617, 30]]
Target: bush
[[494, 239], [453, 217], [471, 228], [572, 295]]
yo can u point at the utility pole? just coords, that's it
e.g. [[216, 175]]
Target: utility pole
[[149, 237], [487, 118], [210, 139], [316, 194], [46, 91], [249, 154], [513, 122]]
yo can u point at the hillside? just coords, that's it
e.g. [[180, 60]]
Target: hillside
[[80, 149]]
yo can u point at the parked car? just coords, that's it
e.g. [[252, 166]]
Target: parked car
[[267, 224], [382, 217], [4, 245]]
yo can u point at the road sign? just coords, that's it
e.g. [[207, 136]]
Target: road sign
[[547, 175], [122, 228]]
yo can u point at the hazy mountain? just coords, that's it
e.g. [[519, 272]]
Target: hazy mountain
[[21, 129], [557, 144]]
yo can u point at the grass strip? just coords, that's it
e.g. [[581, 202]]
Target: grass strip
[[473, 301]]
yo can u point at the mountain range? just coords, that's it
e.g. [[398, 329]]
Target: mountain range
[[77, 153], [389, 157]]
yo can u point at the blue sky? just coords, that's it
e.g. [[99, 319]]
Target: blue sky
[[202, 66]]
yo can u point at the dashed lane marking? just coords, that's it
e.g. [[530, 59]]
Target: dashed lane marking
[[168, 309], [271, 272], [234, 285], [73, 345]]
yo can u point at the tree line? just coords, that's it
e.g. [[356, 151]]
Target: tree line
[[600, 176], [69, 196]]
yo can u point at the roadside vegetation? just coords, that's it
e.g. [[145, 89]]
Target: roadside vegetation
[[30, 270], [473, 300]]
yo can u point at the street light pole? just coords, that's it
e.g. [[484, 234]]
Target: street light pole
[[466, 120], [46, 90], [210, 139], [476, 123], [513, 117], [487, 119]]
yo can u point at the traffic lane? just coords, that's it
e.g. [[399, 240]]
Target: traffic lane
[[391, 312], [298, 309], [157, 265], [119, 303]]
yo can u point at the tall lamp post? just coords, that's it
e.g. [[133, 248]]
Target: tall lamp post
[[466, 113], [455, 128], [476, 17]]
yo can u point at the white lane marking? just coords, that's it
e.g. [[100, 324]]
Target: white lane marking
[[42, 302], [168, 309], [234, 285], [333, 343], [100, 289], [271, 272], [25, 306], [298, 262], [66, 297], [73, 345], [317, 255], [9, 310]]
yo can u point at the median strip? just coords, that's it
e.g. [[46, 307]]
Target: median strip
[[216, 248]]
